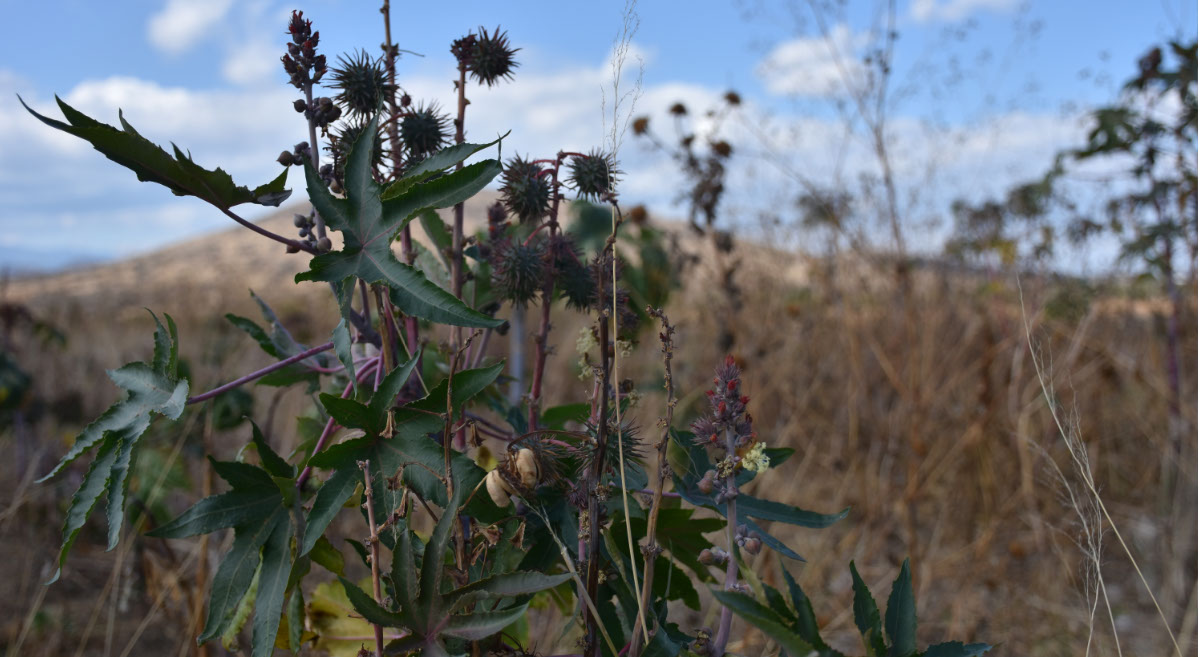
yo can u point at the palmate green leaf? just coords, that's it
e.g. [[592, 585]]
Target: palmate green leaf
[[435, 164], [153, 164], [327, 556], [273, 463], [766, 620], [900, 620], [150, 389], [805, 622], [408, 447], [367, 607], [277, 342], [866, 616], [272, 588], [509, 585], [218, 512], [257, 509], [368, 223], [482, 624]]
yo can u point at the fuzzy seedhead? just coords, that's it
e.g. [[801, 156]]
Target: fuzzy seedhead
[[593, 176], [424, 130], [361, 82], [525, 190]]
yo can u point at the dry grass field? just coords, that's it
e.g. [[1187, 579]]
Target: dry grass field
[[917, 406]]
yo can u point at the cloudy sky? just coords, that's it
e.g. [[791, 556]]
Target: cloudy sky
[[983, 93]]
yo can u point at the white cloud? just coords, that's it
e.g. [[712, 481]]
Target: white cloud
[[955, 10], [181, 24], [250, 63], [243, 129], [819, 66]]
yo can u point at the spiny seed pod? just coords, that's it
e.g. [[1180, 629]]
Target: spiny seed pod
[[594, 175], [526, 193], [527, 467], [361, 82], [498, 489], [577, 286], [491, 58], [424, 130], [518, 269], [344, 139]]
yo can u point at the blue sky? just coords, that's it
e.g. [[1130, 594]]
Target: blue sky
[[984, 93]]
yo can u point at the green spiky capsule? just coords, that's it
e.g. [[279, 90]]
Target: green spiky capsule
[[525, 191], [361, 82], [491, 57], [424, 130], [518, 269], [593, 175]]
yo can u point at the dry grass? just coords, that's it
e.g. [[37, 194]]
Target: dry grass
[[922, 412]]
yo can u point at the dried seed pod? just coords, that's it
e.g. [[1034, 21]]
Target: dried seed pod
[[498, 489], [527, 467]]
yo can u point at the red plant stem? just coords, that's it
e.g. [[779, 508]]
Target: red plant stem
[[731, 569], [257, 374], [269, 235], [330, 425], [535, 232]]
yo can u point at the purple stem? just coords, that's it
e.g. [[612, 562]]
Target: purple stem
[[260, 373], [731, 569], [268, 234]]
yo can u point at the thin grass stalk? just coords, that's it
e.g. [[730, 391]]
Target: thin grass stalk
[[637, 589], [1084, 468]]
